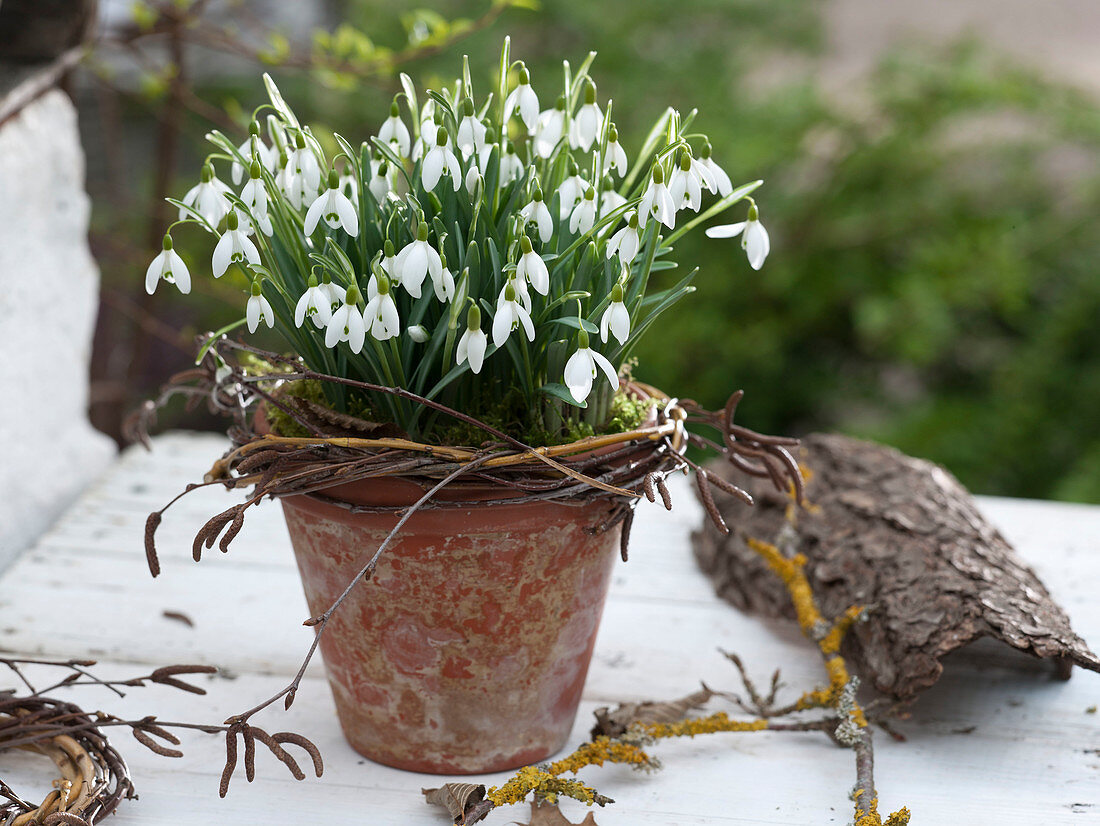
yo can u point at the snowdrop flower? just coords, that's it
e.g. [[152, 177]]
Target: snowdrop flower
[[610, 200], [167, 266], [657, 201], [570, 191], [418, 333], [549, 129], [395, 133], [754, 238], [536, 213], [532, 268], [587, 122], [207, 197], [684, 186], [253, 149], [429, 126], [580, 370], [444, 282], [523, 295], [615, 318], [614, 157], [475, 181], [335, 207], [440, 158], [281, 174], [389, 261], [511, 167], [254, 196], [720, 180], [625, 241], [471, 347], [258, 309], [510, 315], [233, 247], [471, 131], [346, 323], [584, 216], [332, 292], [350, 187], [525, 98], [314, 304], [381, 311], [417, 260], [303, 174]]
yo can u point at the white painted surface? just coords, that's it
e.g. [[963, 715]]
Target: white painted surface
[[83, 589], [49, 288]]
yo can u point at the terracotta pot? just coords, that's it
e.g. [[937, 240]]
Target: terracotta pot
[[467, 652]]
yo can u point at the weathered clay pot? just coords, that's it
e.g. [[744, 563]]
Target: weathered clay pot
[[468, 649]]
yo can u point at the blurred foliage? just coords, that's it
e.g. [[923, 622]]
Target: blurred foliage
[[932, 280]]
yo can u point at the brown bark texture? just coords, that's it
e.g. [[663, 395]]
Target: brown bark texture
[[902, 537]]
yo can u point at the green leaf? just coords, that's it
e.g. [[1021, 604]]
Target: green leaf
[[560, 391]]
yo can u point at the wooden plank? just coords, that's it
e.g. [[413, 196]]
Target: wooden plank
[[1025, 757]]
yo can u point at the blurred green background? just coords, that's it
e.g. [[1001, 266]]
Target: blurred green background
[[932, 282]]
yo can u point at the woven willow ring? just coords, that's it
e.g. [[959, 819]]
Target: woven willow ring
[[93, 776]]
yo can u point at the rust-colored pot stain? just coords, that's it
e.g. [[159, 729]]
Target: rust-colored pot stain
[[467, 651]]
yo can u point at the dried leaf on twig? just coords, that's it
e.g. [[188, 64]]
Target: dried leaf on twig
[[614, 723], [465, 802]]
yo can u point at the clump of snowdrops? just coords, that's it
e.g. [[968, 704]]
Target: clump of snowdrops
[[484, 243]]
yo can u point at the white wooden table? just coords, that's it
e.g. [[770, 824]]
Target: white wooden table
[[987, 745]]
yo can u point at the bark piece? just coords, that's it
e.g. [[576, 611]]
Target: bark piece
[[903, 537]]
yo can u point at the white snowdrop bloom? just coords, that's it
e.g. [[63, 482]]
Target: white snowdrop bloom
[[720, 180], [440, 158], [580, 370], [587, 122], [657, 202], [303, 173], [584, 215], [418, 333], [525, 98], [532, 268], [254, 196], [616, 318], [754, 238], [471, 131], [610, 200], [417, 260], [258, 309], [281, 173], [335, 207], [394, 132], [314, 304], [389, 262], [625, 242], [705, 176], [549, 129], [536, 213], [429, 127], [233, 247], [511, 167], [684, 186], [472, 344], [333, 293], [569, 192], [444, 282], [510, 315], [519, 286], [346, 323], [349, 185], [167, 266], [253, 149], [207, 197], [614, 156], [381, 311], [474, 179]]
